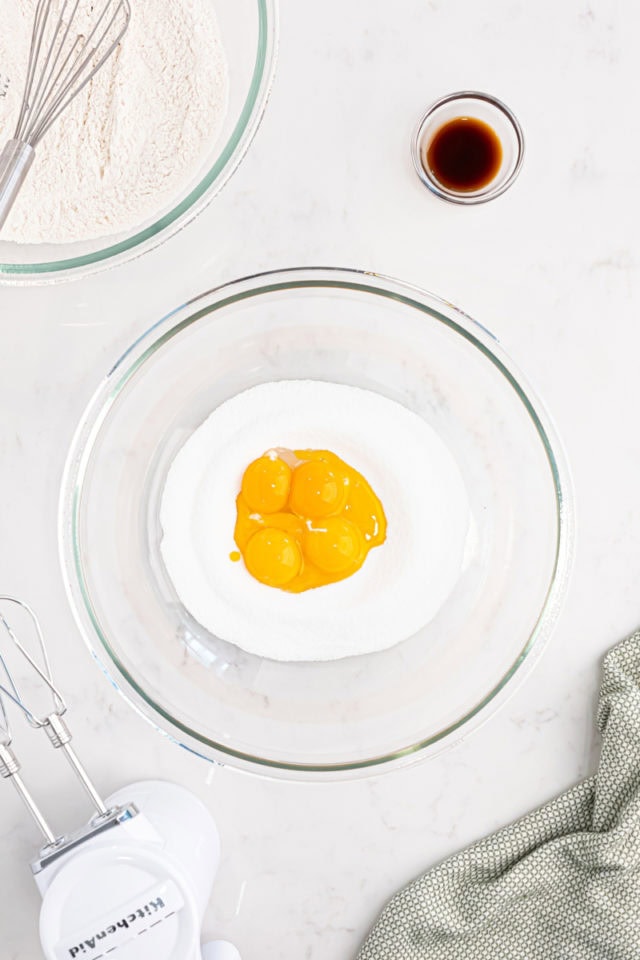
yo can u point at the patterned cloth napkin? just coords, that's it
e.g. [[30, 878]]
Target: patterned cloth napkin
[[563, 883]]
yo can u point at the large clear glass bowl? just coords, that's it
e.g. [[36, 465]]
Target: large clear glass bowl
[[249, 34], [348, 716]]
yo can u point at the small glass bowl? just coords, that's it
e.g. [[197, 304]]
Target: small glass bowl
[[479, 106]]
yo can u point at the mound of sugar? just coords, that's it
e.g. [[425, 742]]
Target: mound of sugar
[[402, 584]]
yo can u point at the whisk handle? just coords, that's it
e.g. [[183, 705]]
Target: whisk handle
[[15, 163]]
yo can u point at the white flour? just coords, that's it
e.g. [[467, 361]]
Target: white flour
[[132, 141]]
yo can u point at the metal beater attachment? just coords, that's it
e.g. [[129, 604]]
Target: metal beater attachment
[[70, 42], [34, 654]]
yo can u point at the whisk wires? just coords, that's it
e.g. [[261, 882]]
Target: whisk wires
[[62, 61]]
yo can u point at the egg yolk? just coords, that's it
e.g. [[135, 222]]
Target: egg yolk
[[335, 547], [305, 518], [316, 490], [266, 483], [273, 556]]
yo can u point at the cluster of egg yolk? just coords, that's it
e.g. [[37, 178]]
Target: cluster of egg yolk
[[305, 518]]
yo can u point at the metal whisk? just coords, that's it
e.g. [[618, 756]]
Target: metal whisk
[[62, 61]]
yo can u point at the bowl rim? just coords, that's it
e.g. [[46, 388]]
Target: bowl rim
[[127, 366], [191, 206]]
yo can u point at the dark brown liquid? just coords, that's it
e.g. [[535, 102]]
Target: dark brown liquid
[[464, 155]]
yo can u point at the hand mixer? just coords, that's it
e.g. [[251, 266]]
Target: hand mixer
[[70, 42], [134, 882]]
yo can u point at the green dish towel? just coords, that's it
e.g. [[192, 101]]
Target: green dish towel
[[563, 883]]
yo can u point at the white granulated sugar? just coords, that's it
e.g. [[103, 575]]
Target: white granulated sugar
[[135, 139], [402, 583]]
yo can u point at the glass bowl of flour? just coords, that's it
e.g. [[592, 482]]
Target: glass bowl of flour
[[150, 142], [443, 620]]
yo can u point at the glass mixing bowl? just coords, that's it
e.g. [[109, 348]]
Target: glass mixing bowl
[[249, 33], [348, 716]]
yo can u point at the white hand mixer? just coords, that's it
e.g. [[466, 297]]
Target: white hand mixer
[[134, 882]]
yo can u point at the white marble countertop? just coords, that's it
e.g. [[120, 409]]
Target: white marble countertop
[[552, 268]]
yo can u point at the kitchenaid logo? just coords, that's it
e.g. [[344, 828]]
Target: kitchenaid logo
[[114, 930], [125, 923]]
